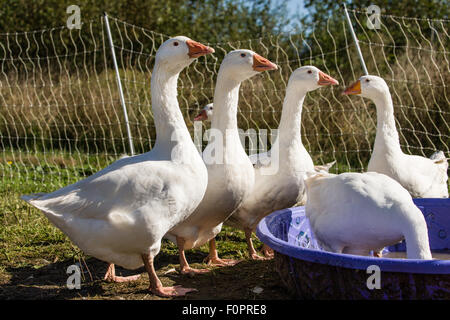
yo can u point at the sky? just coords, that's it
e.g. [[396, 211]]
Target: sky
[[293, 6]]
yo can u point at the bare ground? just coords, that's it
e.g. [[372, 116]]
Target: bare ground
[[49, 281]]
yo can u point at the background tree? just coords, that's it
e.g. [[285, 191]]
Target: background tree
[[209, 20]]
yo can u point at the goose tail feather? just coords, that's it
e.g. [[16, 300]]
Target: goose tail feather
[[32, 196]]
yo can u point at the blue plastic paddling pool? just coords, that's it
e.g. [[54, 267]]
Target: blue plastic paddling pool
[[312, 273]]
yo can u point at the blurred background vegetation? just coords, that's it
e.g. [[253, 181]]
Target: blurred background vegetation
[[60, 114], [209, 20]]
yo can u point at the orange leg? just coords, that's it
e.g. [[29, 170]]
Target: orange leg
[[110, 275], [267, 251], [213, 257], [156, 286], [378, 253], [184, 265], [251, 249]]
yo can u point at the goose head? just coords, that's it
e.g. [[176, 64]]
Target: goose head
[[371, 87], [206, 113], [310, 78], [239, 65], [177, 53]]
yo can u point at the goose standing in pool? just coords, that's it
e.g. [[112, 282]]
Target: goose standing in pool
[[356, 213], [121, 213], [422, 177], [230, 172]]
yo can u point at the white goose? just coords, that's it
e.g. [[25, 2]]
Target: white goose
[[230, 172], [356, 213], [422, 177], [206, 113], [121, 213], [280, 183], [284, 187]]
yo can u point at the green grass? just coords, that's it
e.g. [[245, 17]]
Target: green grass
[[34, 255]]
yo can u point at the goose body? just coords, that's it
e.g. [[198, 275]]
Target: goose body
[[124, 210], [422, 177], [228, 187], [358, 212], [230, 172], [121, 213], [261, 159]]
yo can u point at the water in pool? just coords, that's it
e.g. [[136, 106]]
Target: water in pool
[[442, 255]]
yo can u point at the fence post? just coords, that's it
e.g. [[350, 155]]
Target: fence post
[[355, 39], [119, 84]]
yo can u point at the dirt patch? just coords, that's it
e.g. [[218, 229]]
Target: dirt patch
[[236, 282]]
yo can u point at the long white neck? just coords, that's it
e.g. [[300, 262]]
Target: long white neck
[[289, 131], [224, 119], [226, 96], [169, 122], [416, 238], [387, 139]]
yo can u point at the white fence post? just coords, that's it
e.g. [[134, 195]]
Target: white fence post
[[355, 39], [119, 84]]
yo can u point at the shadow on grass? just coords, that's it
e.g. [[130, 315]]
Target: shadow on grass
[[47, 282], [236, 282]]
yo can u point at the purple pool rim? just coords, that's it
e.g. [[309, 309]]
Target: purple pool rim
[[349, 260]]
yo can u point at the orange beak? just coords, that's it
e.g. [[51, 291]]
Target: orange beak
[[262, 64], [201, 116], [325, 80], [196, 49], [354, 88]]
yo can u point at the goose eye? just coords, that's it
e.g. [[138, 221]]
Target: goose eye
[[175, 43], [309, 71], [367, 80], [243, 55]]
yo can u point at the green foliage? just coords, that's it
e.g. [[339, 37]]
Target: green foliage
[[318, 10], [209, 20], [326, 17]]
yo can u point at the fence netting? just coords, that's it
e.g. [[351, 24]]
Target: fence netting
[[61, 118]]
